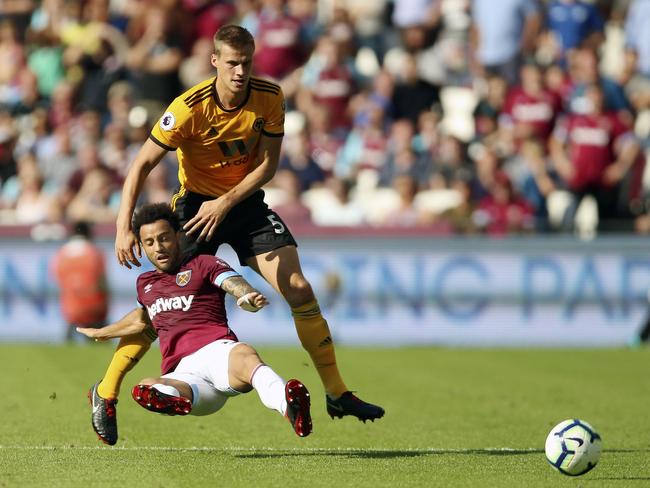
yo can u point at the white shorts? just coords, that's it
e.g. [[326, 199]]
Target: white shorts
[[206, 371]]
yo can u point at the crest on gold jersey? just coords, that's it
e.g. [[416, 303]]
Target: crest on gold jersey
[[183, 278], [258, 124]]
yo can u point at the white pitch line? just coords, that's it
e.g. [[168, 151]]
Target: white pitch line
[[323, 450]]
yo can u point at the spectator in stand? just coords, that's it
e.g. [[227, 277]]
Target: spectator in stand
[[324, 144], [418, 22], [154, 60], [62, 105], [428, 135], [278, 50], [328, 81], [502, 34], [56, 157], [369, 24], [592, 152], [333, 206], [97, 200], [573, 24], [448, 156], [532, 179], [297, 159], [365, 147], [25, 195], [489, 106], [486, 165], [461, 217], [406, 214], [79, 270], [380, 93], [290, 208], [209, 17], [113, 149], [502, 211], [12, 63], [584, 72], [196, 67], [86, 128], [120, 103], [89, 160], [637, 54], [530, 110], [8, 138], [413, 95], [156, 187], [401, 157]]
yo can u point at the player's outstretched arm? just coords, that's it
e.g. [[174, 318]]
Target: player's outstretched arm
[[133, 322], [148, 157], [248, 298]]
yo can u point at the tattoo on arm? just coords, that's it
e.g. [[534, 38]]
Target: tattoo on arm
[[237, 286]]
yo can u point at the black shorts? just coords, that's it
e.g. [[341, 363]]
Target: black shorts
[[250, 228]]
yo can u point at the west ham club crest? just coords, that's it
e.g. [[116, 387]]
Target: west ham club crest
[[183, 278]]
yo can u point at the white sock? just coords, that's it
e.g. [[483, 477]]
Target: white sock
[[270, 388], [166, 389]]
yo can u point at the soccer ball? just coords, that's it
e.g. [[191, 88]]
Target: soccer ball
[[573, 447]]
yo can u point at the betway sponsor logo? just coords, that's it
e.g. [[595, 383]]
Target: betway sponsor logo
[[182, 303]]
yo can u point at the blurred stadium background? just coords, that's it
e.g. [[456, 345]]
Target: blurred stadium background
[[422, 168], [433, 173]]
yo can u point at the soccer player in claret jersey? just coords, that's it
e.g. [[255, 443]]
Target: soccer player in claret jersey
[[227, 133], [203, 364]]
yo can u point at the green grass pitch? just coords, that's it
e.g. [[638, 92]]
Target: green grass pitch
[[455, 417]]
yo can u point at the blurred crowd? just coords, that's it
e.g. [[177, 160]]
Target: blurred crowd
[[460, 116]]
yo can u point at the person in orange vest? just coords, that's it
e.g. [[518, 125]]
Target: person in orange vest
[[79, 270]]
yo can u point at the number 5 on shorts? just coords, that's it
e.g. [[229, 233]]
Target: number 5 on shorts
[[278, 226]]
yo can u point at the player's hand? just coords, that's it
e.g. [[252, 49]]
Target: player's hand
[[252, 302], [207, 219], [92, 333], [125, 243]]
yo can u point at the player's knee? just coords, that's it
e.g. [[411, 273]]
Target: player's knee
[[299, 292], [243, 361]]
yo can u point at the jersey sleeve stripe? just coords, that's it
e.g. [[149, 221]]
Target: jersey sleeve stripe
[[164, 146], [263, 86], [253, 87], [224, 276], [260, 81], [197, 93], [199, 100], [271, 134]]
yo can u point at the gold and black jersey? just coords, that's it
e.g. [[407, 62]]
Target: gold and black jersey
[[217, 147]]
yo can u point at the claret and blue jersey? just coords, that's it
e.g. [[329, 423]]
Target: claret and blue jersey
[[187, 308]]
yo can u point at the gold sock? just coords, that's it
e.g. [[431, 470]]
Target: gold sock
[[315, 337], [128, 353]]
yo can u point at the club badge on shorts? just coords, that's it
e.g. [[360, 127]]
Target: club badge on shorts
[[183, 278]]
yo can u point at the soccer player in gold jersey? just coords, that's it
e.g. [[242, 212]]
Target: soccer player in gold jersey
[[227, 133]]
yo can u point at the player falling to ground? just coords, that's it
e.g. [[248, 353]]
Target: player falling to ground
[[203, 364], [227, 133]]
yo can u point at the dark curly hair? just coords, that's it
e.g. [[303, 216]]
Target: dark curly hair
[[148, 214]]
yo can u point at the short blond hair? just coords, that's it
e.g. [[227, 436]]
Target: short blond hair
[[234, 36]]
